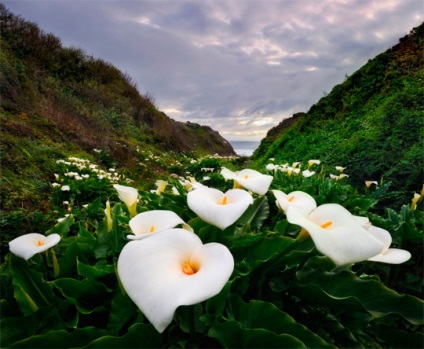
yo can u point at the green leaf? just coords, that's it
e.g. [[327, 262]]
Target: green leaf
[[216, 304], [231, 334], [256, 213], [62, 228], [30, 290], [62, 339], [14, 329], [396, 338], [85, 236], [122, 309], [99, 271], [87, 295], [346, 290], [138, 336], [68, 262], [361, 203], [260, 314]]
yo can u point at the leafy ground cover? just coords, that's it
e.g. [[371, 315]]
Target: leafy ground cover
[[282, 291], [372, 122]]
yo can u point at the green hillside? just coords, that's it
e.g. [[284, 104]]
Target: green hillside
[[58, 102], [372, 123]]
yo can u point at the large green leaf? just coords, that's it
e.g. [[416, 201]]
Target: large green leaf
[[360, 203], [122, 309], [16, 328], [87, 295], [397, 338], [61, 339], [30, 290], [256, 213], [259, 314], [138, 336], [346, 289], [232, 334], [62, 228]]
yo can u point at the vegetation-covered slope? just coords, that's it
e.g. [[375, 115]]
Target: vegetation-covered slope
[[372, 122], [57, 102]]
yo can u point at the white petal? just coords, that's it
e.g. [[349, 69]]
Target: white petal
[[308, 173], [146, 223], [26, 246], [127, 194], [151, 271], [207, 204], [298, 199], [345, 241], [382, 235], [392, 256], [254, 181], [228, 174], [363, 221]]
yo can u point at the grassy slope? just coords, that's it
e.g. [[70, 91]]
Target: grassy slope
[[372, 123], [58, 102]]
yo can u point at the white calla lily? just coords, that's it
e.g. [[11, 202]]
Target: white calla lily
[[171, 269], [298, 199], [414, 200], [388, 255], [252, 180], [313, 162], [28, 245], [147, 223], [129, 196], [218, 208], [271, 167], [228, 174], [363, 221], [161, 186], [337, 233], [368, 183], [108, 213], [308, 173]]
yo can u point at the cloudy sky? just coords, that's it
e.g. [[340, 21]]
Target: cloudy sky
[[239, 66]]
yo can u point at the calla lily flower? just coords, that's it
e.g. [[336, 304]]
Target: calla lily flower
[[388, 255], [28, 245], [252, 180], [308, 173], [147, 223], [337, 233], [161, 186], [228, 174], [108, 214], [129, 196], [369, 183], [298, 199], [271, 167], [414, 200], [291, 170], [342, 175], [217, 208], [171, 269], [313, 162]]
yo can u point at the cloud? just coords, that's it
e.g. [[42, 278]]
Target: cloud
[[237, 66]]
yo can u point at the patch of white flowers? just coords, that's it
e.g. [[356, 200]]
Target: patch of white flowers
[[86, 170]]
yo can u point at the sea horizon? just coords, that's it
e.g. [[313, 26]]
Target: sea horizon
[[244, 148]]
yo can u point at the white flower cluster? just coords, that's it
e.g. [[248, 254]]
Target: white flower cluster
[[295, 168], [89, 169]]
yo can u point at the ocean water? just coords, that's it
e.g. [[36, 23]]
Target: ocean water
[[245, 148]]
